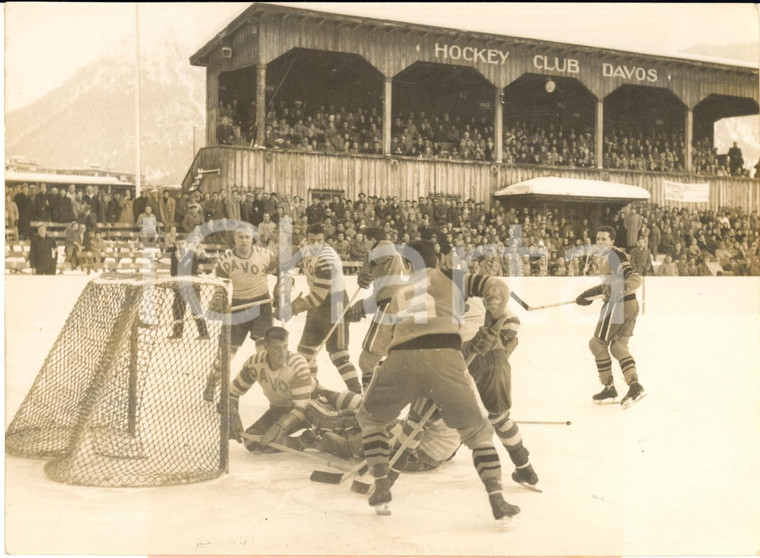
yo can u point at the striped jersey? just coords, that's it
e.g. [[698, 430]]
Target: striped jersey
[[248, 275], [618, 276], [324, 275], [289, 387]]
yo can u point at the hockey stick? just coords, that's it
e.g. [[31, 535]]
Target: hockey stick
[[288, 449], [335, 325], [363, 487], [562, 422], [530, 308]]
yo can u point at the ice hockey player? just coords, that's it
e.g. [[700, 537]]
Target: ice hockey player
[[287, 383], [247, 267], [384, 270], [492, 374], [617, 319], [324, 303], [425, 360]]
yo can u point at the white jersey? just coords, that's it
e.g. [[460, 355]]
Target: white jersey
[[248, 275]]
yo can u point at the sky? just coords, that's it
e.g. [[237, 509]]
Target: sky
[[45, 43]]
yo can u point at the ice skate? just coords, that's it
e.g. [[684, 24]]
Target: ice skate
[[635, 394], [502, 510], [607, 396], [380, 496], [526, 477]]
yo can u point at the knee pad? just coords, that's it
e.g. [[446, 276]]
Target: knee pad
[[598, 347], [619, 349]]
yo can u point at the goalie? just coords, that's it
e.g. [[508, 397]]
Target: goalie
[[289, 386]]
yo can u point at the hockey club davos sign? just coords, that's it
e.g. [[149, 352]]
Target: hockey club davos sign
[[455, 53]]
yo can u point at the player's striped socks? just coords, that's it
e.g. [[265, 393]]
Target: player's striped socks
[[487, 464], [346, 370], [377, 452], [628, 366], [604, 367]]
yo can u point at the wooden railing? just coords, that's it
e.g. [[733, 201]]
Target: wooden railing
[[295, 173]]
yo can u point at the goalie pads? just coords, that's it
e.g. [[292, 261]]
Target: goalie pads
[[335, 432], [322, 416]]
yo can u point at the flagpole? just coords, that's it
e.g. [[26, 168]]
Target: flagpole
[[138, 162]]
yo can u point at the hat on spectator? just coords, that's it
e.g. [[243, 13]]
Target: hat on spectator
[[249, 194]]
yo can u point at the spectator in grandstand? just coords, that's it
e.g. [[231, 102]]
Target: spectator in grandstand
[[736, 160], [193, 219], [148, 225], [641, 258], [167, 208], [668, 267], [24, 205], [95, 250], [43, 253], [184, 263], [72, 245], [126, 209], [11, 215]]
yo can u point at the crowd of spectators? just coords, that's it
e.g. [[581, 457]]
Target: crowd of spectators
[[496, 239], [443, 136]]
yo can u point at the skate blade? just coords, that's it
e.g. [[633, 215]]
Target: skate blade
[[632, 402], [531, 487], [383, 509], [507, 523], [611, 401]]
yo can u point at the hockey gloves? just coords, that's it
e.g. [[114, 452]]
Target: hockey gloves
[[218, 302], [583, 298], [298, 305], [355, 312], [484, 341]]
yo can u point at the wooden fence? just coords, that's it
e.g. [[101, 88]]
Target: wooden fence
[[297, 173]]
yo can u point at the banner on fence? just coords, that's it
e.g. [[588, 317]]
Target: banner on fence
[[690, 193]]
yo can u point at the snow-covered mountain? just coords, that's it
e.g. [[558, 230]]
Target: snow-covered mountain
[[90, 118]]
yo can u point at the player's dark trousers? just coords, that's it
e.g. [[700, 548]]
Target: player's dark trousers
[[184, 295]]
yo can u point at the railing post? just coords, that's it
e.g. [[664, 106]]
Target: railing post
[[261, 101], [599, 133], [688, 135], [387, 106], [498, 125]]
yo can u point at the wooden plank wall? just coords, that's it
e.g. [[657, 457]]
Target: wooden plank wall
[[297, 173]]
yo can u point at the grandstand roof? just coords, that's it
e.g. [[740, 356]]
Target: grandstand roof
[[52, 178], [574, 189], [201, 57]]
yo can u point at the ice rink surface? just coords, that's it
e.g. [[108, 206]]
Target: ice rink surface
[[678, 473]]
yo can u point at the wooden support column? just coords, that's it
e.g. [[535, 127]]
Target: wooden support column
[[498, 125], [261, 102], [387, 106], [688, 137], [599, 133]]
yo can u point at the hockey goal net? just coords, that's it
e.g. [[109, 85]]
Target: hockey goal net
[[118, 403]]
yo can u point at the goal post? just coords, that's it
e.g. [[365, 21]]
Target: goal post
[[118, 403]]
